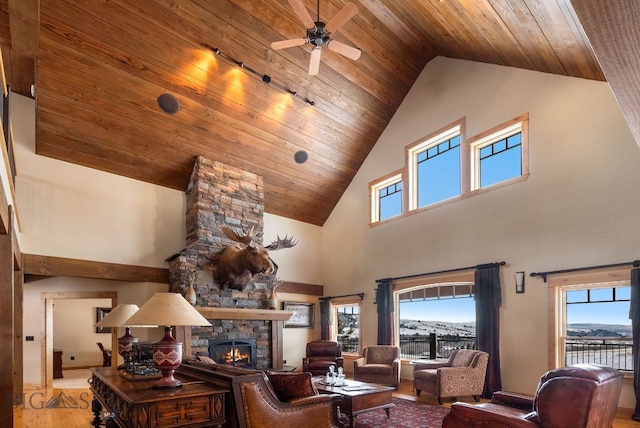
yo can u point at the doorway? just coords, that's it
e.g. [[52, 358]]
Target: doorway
[[48, 301]]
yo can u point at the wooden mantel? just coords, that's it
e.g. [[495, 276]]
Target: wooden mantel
[[243, 314]]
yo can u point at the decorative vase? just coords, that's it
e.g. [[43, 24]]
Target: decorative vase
[[190, 295], [273, 299]]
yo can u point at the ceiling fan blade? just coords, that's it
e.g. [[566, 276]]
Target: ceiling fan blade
[[303, 14], [314, 62], [287, 43], [341, 18], [346, 50]]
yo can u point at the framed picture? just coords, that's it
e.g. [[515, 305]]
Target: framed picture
[[302, 314], [101, 313]]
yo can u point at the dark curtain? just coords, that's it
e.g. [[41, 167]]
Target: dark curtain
[[488, 297], [325, 319], [634, 314], [384, 299]]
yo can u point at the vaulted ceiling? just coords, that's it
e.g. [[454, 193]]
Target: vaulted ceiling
[[99, 67]]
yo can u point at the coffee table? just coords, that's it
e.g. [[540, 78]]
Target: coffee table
[[358, 397]]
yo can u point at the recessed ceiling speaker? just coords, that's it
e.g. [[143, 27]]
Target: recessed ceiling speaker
[[168, 103], [301, 156]]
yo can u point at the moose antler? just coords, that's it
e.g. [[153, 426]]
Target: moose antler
[[282, 243], [230, 233]]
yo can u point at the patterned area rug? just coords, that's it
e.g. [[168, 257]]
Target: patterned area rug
[[406, 414]]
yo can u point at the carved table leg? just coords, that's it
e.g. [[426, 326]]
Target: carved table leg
[[96, 409]]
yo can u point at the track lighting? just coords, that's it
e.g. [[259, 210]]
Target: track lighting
[[264, 77]]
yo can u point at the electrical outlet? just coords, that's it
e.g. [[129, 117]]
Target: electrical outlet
[[29, 338], [73, 358], [284, 361]]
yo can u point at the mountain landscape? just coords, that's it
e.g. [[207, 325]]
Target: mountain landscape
[[468, 329]]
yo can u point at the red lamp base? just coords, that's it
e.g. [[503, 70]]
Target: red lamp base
[[167, 357]]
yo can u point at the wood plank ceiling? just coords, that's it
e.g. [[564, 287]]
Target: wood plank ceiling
[[101, 65]]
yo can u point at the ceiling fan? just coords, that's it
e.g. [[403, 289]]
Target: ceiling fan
[[319, 34]]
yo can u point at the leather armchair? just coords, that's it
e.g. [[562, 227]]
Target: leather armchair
[[462, 375], [258, 405], [578, 396], [320, 355], [378, 364]]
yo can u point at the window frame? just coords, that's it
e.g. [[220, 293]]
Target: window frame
[[374, 195], [557, 285], [476, 143], [341, 303]]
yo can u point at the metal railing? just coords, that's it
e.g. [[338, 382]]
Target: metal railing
[[349, 344], [415, 347], [612, 351]]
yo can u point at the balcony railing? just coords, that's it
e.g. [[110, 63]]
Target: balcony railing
[[431, 347], [612, 351]]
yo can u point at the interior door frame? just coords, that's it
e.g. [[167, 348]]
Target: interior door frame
[[48, 298]]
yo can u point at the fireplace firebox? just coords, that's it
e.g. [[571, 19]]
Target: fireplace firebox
[[233, 352]]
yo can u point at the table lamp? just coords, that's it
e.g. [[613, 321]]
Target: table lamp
[[117, 318], [168, 309]]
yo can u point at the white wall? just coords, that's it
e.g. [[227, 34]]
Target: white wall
[[75, 333], [71, 211], [576, 209]]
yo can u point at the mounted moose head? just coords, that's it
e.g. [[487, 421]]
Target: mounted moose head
[[238, 264]]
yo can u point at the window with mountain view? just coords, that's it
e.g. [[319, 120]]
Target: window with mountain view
[[347, 331], [598, 328], [435, 320]]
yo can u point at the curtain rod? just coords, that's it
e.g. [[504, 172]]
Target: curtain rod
[[486, 265], [635, 263], [361, 295]]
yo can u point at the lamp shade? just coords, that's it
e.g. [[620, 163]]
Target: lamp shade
[[118, 316], [168, 309]]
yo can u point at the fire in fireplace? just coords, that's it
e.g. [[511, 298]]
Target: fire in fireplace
[[233, 352]]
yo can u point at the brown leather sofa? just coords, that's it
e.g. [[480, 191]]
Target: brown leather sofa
[[320, 355], [578, 396], [462, 375], [294, 403]]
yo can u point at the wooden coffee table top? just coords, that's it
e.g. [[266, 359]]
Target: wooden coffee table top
[[352, 388]]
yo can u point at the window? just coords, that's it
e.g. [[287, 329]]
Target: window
[[435, 315], [592, 322], [347, 327], [386, 197], [497, 157], [445, 166], [434, 168]]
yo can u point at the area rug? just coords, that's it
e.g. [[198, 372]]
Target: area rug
[[405, 414]]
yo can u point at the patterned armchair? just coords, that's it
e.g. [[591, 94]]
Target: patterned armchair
[[378, 364], [276, 400], [578, 396], [463, 375], [320, 355]]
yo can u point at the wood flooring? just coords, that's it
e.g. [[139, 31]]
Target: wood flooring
[[35, 414]]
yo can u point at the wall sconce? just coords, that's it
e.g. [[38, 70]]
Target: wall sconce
[[519, 282], [374, 296]]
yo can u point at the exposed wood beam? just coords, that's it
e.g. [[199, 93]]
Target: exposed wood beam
[[301, 288], [48, 266], [24, 22], [612, 29]]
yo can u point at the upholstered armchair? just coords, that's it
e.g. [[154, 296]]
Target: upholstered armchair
[[378, 364], [277, 400], [320, 355], [462, 375], [579, 396]]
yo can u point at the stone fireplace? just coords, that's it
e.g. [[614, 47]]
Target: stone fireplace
[[238, 353], [218, 194]]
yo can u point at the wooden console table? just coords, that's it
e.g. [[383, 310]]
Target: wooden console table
[[135, 404]]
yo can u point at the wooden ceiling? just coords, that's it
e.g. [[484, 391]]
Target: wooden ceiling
[[101, 65]]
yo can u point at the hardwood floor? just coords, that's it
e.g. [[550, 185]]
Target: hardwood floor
[[35, 414]]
